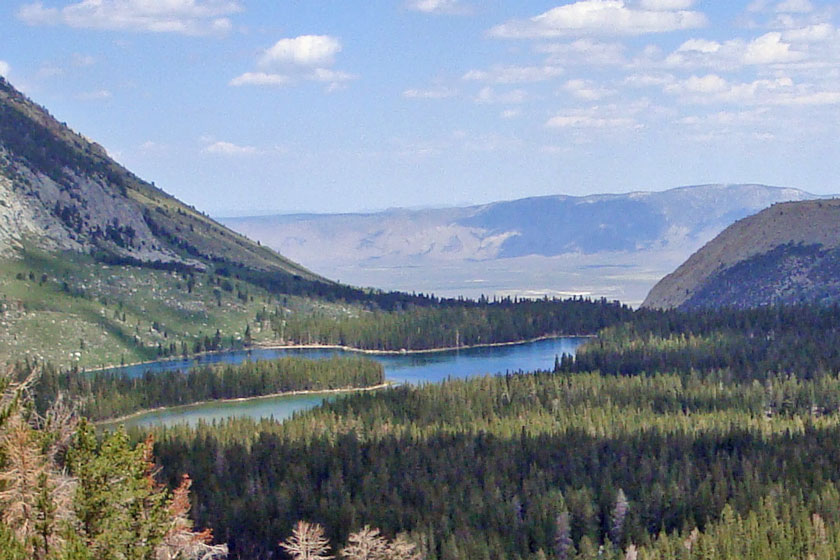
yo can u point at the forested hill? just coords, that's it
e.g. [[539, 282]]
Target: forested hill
[[60, 191], [788, 253]]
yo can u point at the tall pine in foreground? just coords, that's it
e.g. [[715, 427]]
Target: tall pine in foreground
[[66, 495]]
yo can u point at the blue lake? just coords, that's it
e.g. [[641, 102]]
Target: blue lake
[[413, 368]]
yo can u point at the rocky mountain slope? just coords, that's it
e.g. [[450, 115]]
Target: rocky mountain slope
[[98, 266], [615, 245], [62, 192], [787, 253]]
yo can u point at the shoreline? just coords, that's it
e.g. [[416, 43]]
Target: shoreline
[[401, 352], [119, 419]]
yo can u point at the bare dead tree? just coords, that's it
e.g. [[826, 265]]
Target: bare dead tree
[[181, 542], [403, 549], [307, 542]]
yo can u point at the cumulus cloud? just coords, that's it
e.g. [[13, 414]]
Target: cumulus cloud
[[610, 17], [817, 33], [768, 49], [305, 50], [188, 17], [4, 68], [781, 91], [440, 92], [294, 60], [230, 149], [514, 74]]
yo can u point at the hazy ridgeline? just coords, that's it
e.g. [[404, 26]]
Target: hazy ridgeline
[[712, 456]]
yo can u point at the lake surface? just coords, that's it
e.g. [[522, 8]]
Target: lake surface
[[413, 368]]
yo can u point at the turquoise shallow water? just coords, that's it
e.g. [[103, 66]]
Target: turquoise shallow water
[[417, 368]]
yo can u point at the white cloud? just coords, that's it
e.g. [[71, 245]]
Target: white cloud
[[260, 79], [584, 51], [514, 74], [613, 116], [229, 149], [768, 49], [666, 5], [764, 92], [700, 45], [710, 83], [510, 113], [589, 121], [4, 68], [188, 17], [333, 78], [611, 17], [512, 97], [305, 58], [587, 90], [440, 92], [305, 50], [437, 6], [729, 118], [816, 33], [648, 80]]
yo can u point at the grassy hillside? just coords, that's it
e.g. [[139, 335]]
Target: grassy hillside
[[72, 310]]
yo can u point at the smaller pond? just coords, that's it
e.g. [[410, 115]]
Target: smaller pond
[[414, 368]]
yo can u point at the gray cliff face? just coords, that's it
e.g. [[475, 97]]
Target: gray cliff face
[[61, 192]]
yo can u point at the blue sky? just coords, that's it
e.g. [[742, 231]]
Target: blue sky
[[242, 107]]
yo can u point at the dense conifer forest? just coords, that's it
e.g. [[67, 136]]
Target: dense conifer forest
[[715, 445], [453, 323], [672, 435]]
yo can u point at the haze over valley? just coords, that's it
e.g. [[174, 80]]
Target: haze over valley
[[613, 245]]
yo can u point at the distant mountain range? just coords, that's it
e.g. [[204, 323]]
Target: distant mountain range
[[611, 245], [789, 253]]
